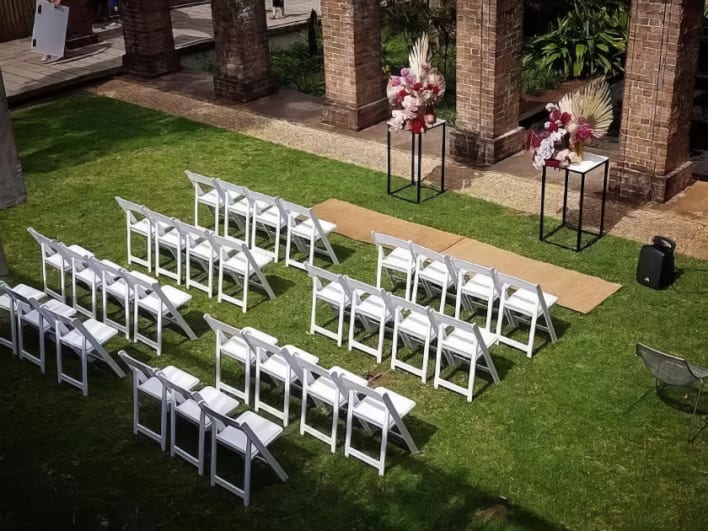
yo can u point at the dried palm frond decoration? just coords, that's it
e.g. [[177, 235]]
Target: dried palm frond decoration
[[592, 103]]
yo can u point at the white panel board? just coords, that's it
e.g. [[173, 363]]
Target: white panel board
[[49, 33]]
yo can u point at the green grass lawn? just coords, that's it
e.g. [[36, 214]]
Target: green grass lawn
[[563, 441]]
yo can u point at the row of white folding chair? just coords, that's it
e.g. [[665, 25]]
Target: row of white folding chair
[[378, 409], [136, 294], [413, 324], [8, 305], [259, 354], [475, 286], [249, 434], [65, 260], [251, 211], [57, 320], [211, 253]]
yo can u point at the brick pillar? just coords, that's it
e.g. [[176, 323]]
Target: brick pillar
[[243, 69], [489, 37], [12, 184], [79, 31], [662, 54], [355, 86], [147, 30]]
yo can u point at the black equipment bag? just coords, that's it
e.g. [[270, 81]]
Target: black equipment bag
[[656, 263]]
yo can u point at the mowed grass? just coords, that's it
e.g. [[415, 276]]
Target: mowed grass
[[574, 438]]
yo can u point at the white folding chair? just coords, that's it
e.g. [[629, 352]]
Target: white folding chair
[[248, 435], [205, 193], [146, 383], [320, 386], [267, 216], [432, 272], [378, 408], [334, 291], [9, 303], [373, 309], [231, 344], [52, 256], [416, 326], [185, 404], [475, 286], [305, 230], [83, 275], [237, 208], [463, 342], [167, 237], [244, 266], [115, 288], [87, 340], [161, 303], [137, 223], [523, 301], [281, 366], [200, 251], [394, 257], [28, 313]]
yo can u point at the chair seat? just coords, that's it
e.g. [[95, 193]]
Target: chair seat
[[202, 250], [525, 302], [141, 227], [59, 308], [700, 372], [239, 206], [333, 293], [236, 349], [399, 259], [304, 229], [172, 239], [264, 429], [102, 332], [435, 272], [374, 412], [119, 289], [80, 250], [271, 217], [479, 286], [325, 390], [278, 367], [215, 399], [153, 386], [461, 342], [28, 292], [56, 261], [5, 302], [210, 198], [373, 306], [32, 318], [238, 262], [153, 303], [416, 325], [88, 276]]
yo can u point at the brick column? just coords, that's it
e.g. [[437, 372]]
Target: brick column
[[243, 69], [147, 30], [12, 184], [662, 54], [79, 31], [489, 38], [355, 86]]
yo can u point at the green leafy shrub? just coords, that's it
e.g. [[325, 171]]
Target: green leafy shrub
[[535, 80], [589, 40], [295, 68]]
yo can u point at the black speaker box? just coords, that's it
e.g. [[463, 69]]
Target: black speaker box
[[656, 263]]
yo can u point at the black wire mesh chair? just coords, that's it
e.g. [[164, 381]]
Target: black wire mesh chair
[[672, 371]]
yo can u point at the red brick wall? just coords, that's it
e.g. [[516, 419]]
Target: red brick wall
[[243, 70], [489, 37], [147, 30], [662, 55], [355, 94], [79, 31]]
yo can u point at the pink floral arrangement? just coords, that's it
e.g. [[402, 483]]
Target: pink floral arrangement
[[414, 92], [576, 119]]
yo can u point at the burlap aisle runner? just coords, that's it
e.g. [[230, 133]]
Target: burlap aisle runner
[[575, 291]]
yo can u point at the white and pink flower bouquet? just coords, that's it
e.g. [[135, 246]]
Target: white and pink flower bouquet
[[577, 118], [414, 92]]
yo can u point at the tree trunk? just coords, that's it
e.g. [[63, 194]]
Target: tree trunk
[[12, 184]]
